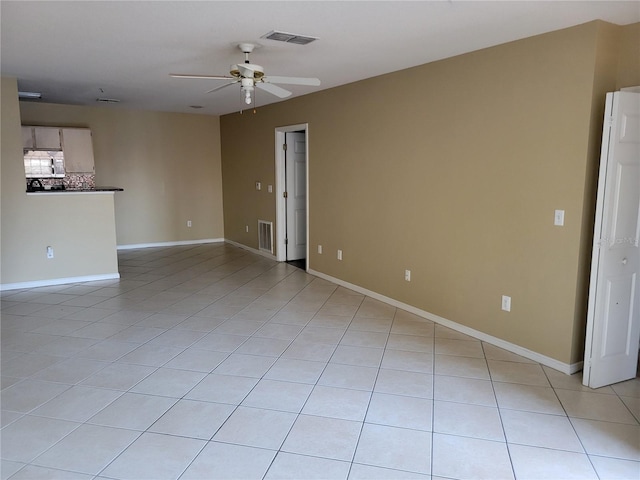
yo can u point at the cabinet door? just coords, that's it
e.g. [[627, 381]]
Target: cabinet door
[[78, 150], [27, 138], [47, 138]]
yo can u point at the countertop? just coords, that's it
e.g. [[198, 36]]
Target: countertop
[[80, 190]]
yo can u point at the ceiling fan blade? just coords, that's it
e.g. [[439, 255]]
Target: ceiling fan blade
[[221, 87], [273, 89], [206, 77], [314, 82]]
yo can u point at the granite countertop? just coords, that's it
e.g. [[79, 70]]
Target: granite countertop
[[97, 189]]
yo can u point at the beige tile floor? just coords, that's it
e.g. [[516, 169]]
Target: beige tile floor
[[207, 362]]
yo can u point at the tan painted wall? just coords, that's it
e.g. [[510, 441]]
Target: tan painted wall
[[452, 170], [167, 163], [80, 228]]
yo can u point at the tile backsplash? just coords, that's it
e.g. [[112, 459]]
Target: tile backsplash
[[71, 181]]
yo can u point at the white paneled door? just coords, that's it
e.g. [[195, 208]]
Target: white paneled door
[[296, 197], [613, 320]]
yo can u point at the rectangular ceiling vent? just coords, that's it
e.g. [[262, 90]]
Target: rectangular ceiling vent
[[289, 38]]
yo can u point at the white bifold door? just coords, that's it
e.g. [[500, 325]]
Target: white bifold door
[[296, 195], [613, 319]]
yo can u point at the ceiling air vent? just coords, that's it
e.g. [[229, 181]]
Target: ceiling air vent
[[107, 100], [289, 38]]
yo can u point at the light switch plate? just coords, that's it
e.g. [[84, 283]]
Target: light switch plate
[[558, 218]]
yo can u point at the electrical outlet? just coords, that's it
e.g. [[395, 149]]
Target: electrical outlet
[[258, 186], [270, 188], [407, 275], [339, 254], [189, 223], [49, 252], [320, 249], [506, 303]]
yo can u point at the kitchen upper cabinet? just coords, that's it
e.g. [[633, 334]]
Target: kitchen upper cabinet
[[78, 150], [41, 138]]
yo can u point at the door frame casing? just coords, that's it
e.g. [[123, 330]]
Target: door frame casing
[[281, 218]]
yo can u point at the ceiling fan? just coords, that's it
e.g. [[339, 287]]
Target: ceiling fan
[[250, 75]]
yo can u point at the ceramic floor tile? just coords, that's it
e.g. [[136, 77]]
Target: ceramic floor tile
[[359, 338], [528, 398], [294, 370], [222, 389], [400, 411], [540, 430], [88, 449], [272, 347], [615, 468], [630, 388], [169, 382], [178, 338], [70, 371], [409, 361], [533, 463], [397, 382], [245, 365], [155, 457], [463, 457], [192, 418], [238, 327], [287, 466], [394, 448], [19, 444], [29, 394], [78, 403], [342, 403], [31, 472], [151, 355], [313, 352], [367, 472], [375, 325], [462, 348], [467, 420], [456, 366], [255, 427], [133, 411], [330, 321], [348, 376], [413, 343], [464, 390], [608, 439], [323, 437], [514, 372], [595, 406], [118, 376], [278, 395], [278, 330], [220, 342], [7, 417], [197, 360], [108, 350], [221, 461], [492, 352], [137, 334], [362, 356]]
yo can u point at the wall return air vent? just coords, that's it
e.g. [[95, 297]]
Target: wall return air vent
[[289, 38], [265, 236]]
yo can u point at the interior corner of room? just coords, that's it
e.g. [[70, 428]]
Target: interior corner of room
[[459, 184]]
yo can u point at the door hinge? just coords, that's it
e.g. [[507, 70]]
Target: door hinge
[[610, 121], [284, 147], [285, 195], [286, 241]]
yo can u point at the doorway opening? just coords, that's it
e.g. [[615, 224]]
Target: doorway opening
[[292, 184]]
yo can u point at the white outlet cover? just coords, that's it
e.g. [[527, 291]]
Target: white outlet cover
[[320, 249], [506, 303], [558, 218], [339, 254]]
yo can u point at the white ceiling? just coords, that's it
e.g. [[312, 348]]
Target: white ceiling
[[74, 52]]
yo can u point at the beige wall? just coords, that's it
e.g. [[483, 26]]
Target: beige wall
[[167, 163], [80, 228], [452, 170]]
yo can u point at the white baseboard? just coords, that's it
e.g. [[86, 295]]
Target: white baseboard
[[270, 256], [58, 281], [498, 342], [170, 244]]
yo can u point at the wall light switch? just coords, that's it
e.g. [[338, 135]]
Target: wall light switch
[[320, 249], [258, 186], [558, 218], [506, 303], [339, 254], [49, 252], [246, 228], [407, 275], [189, 224]]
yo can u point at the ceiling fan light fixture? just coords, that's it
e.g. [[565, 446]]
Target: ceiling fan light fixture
[[289, 37]]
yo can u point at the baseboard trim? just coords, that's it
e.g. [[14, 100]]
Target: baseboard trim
[[170, 244], [498, 342], [58, 281], [270, 256]]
